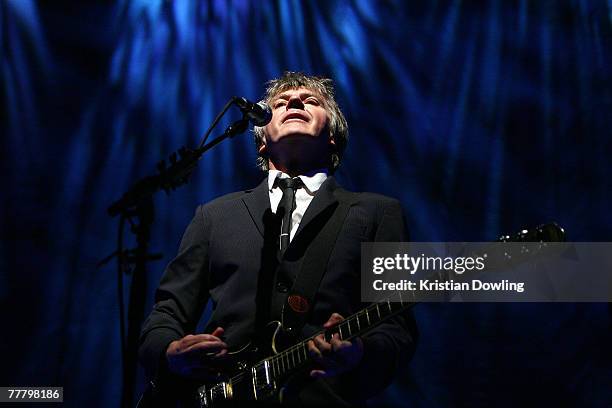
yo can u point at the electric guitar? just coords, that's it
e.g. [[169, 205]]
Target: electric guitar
[[258, 371]]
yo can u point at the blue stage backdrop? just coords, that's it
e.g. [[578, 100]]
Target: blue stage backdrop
[[481, 117]]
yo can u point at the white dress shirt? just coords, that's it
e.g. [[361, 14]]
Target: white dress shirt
[[303, 196]]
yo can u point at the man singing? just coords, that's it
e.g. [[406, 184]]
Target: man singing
[[287, 250]]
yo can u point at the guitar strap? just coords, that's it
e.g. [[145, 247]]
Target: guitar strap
[[298, 304]]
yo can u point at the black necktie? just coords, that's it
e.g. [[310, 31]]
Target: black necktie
[[286, 207]]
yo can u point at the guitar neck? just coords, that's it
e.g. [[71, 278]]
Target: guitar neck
[[366, 319]]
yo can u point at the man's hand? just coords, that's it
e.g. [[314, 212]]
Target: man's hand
[[197, 355], [336, 356]]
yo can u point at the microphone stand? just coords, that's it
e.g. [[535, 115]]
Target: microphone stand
[[137, 203]]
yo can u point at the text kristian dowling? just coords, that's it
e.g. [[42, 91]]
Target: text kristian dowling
[[449, 285]]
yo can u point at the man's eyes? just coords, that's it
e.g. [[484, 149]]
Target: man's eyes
[[310, 101]]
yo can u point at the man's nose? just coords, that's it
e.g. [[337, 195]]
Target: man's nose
[[295, 102]]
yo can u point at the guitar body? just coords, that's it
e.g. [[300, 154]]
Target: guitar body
[[246, 376]]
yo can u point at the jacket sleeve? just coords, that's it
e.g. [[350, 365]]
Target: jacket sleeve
[[392, 343], [180, 298]]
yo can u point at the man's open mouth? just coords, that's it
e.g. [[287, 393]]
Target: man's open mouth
[[295, 117]]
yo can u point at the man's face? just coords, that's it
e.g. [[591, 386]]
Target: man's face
[[296, 113]]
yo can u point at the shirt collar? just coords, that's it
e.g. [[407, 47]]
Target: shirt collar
[[312, 180]]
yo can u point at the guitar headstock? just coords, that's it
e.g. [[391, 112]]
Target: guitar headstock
[[551, 232]]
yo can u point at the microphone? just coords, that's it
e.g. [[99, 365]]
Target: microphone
[[258, 113]]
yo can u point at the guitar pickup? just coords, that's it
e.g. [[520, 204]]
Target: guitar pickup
[[263, 382]]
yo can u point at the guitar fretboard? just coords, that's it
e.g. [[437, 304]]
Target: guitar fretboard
[[297, 356]]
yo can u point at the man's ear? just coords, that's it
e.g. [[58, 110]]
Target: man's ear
[[331, 142], [262, 149]]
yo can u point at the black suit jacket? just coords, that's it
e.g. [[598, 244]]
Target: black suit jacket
[[227, 254]]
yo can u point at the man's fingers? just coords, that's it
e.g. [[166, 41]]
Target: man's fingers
[[335, 356], [319, 360], [338, 344], [322, 345], [192, 339], [221, 353], [318, 373], [206, 347], [218, 332], [315, 353], [334, 319], [195, 354]]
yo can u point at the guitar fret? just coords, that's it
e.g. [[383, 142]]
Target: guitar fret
[[358, 325], [367, 316], [340, 331], [292, 358], [371, 318], [288, 354], [378, 311], [348, 326]]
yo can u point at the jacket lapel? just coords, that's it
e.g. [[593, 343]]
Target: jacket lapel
[[322, 200], [257, 202]]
